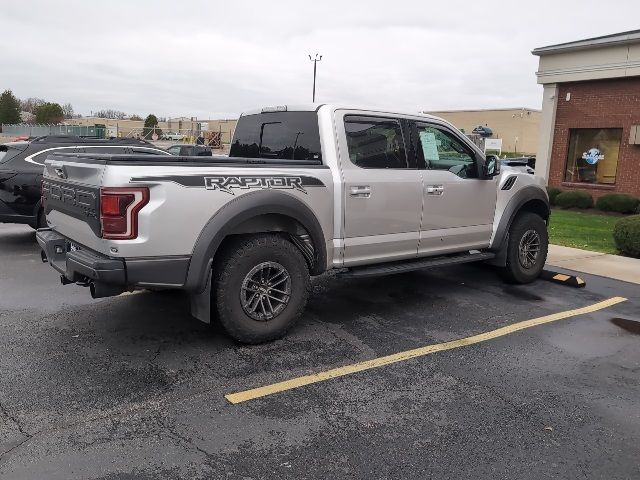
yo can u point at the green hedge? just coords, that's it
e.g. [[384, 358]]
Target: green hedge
[[575, 199], [617, 202], [553, 192], [626, 234]]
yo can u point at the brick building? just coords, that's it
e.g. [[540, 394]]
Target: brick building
[[590, 122]]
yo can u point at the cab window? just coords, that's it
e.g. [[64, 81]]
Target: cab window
[[375, 142], [278, 136], [441, 150]]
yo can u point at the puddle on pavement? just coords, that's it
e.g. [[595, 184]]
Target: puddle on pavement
[[631, 326], [522, 294]]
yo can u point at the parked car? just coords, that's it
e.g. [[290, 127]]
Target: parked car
[[305, 189], [482, 131], [528, 164], [173, 136], [190, 150], [22, 164]]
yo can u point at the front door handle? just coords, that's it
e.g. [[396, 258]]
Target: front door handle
[[435, 189], [360, 191]]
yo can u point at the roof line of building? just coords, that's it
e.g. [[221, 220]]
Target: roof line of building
[[622, 38], [525, 109]]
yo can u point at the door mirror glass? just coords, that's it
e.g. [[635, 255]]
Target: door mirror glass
[[491, 166]]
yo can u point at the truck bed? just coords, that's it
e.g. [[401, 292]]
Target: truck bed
[[170, 160]]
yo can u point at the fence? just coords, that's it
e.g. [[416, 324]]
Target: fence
[[24, 129], [215, 138]]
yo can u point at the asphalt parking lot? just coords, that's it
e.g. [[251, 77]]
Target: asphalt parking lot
[[133, 387]]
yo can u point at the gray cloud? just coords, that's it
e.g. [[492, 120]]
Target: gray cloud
[[216, 59]]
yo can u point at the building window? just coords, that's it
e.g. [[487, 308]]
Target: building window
[[593, 155]]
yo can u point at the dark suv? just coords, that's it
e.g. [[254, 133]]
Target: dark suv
[[22, 164], [190, 150]]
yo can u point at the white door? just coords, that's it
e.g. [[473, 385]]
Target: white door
[[382, 189], [458, 206]]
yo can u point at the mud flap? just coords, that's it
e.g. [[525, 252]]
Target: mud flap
[[500, 260], [201, 302]]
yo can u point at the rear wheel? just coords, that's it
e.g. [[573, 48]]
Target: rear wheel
[[526, 248], [261, 286]]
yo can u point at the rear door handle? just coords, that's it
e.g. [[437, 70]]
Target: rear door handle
[[360, 191]]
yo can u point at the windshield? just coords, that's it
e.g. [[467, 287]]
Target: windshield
[[278, 135]]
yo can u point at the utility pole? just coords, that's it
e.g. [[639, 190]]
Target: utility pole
[[315, 61]]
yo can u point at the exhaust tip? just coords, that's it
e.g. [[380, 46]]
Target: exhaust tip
[[102, 290]]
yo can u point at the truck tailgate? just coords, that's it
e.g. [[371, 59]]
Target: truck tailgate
[[71, 193]]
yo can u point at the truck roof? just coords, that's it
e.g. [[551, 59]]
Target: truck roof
[[310, 107]]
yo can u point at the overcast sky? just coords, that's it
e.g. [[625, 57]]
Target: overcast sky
[[215, 59]]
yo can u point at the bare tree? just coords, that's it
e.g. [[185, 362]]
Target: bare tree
[[67, 108], [30, 104], [110, 113]]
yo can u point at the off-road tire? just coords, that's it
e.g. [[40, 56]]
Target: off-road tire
[[515, 271], [230, 271]]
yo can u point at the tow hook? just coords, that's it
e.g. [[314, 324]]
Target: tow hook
[[64, 280]]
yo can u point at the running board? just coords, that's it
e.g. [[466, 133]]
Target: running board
[[419, 264]]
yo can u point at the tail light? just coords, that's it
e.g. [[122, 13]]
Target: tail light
[[119, 209]]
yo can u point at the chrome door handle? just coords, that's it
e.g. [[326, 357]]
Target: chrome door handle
[[435, 189], [360, 191]]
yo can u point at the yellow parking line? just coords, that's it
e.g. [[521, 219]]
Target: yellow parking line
[[254, 393]]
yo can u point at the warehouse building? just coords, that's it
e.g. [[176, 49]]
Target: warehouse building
[[590, 122], [516, 127], [184, 125]]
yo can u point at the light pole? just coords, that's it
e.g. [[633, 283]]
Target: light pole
[[315, 61]]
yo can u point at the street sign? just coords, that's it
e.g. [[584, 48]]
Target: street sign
[[493, 144]]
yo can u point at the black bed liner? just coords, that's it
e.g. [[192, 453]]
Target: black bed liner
[[171, 160]]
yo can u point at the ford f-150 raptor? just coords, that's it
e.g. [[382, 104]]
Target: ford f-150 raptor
[[305, 189]]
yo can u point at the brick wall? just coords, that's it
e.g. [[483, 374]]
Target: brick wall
[[598, 104]]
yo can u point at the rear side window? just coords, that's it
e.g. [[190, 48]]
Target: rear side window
[[278, 135], [148, 151], [375, 142], [105, 150]]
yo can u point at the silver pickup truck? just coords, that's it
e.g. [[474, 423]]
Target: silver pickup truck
[[305, 189]]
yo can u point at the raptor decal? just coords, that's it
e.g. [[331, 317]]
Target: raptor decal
[[229, 183]]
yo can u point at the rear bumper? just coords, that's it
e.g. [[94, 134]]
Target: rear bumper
[[80, 264]]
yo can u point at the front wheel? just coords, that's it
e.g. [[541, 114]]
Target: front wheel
[[261, 287], [526, 248]]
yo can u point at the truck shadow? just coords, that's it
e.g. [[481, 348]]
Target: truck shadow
[[20, 236]]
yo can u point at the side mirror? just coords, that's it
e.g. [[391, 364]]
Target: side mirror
[[491, 166]]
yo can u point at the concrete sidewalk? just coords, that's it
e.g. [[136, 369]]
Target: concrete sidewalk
[[611, 266]]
